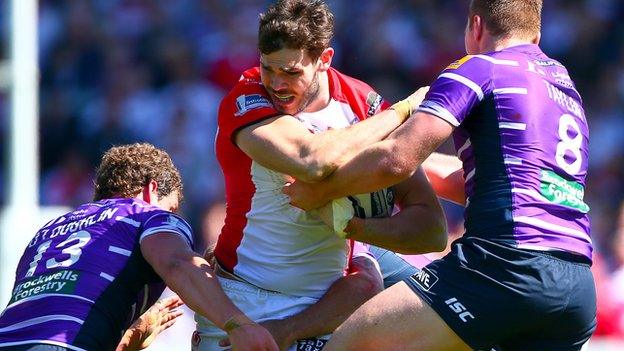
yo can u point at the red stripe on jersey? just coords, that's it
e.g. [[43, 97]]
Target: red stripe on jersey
[[239, 188]]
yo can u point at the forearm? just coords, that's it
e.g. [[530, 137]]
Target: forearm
[[414, 230], [338, 303], [328, 150], [389, 161], [374, 168], [194, 281]]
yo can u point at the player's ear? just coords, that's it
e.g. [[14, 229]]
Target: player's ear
[[477, 28], [150, 192], [325, 59]]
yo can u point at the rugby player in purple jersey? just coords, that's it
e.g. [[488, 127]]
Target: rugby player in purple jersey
[[519, 278], [87, 275]]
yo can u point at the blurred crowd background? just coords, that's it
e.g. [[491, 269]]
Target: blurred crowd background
[[118, 71]]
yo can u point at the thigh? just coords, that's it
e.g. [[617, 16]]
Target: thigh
[[395, 319]]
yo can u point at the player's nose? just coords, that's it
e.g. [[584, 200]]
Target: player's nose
[[278, 83]]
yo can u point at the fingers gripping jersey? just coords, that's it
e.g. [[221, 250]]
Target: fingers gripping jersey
[[265, 240], [522, 136], [82, 279]]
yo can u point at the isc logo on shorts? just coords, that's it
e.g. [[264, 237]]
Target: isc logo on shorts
[[425, 279]]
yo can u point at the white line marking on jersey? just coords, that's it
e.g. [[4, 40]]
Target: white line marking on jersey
[[119, 250], [521, 91], [553, 227], [465, 81], [497, 61], [512, 125], [107, 276]]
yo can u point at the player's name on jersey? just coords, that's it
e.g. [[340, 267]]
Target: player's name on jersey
[[71, 227], [61, 282], [558, 96]]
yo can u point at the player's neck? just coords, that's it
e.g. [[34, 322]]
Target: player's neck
[[498, 44], [322, 98]]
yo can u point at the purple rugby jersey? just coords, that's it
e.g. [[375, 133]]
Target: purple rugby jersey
[[522, 136], [82, 279]]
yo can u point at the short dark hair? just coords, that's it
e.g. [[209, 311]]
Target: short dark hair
[[126, 169], [296, 24], [509, 17]]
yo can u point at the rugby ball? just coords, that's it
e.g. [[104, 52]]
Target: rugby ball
[[373, 205]]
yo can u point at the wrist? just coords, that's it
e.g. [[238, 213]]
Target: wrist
[[403, 110], [292, 328], [237, 321], [131, 340], [353, 228]]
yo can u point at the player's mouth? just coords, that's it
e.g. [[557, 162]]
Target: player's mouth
[[283, 100]]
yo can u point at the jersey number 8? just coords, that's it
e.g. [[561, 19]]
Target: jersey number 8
[[572, 145]]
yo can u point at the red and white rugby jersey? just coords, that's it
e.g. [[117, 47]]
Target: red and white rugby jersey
[[265, 240]]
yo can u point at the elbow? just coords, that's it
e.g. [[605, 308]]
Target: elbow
[[436, 229], [315, 173], [439, 239], [437, 234], [316, 168], [433, 238]]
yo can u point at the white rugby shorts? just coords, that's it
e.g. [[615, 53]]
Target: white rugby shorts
[[258, 304]]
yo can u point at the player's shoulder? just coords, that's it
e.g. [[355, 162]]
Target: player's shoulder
[[472, 63], [249, 82], [246, 95], [250, 77], [165, 221]]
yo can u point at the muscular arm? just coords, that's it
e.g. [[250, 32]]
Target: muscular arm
[[283, 144], [380, 165], [191, 277], [341, 299], [446, 176], [419, 227]]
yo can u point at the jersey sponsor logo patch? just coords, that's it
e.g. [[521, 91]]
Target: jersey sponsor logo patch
[[61, 282], [563, 192], [311, 344], [425, 279], [458, 63], [373, 100], [246, 103]]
